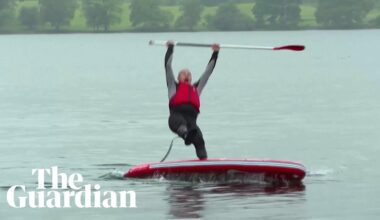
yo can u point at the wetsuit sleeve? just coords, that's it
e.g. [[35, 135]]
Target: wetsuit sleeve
[[201, 83], [170, 80]]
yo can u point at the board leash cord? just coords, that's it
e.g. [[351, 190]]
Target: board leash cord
[[170, 148]]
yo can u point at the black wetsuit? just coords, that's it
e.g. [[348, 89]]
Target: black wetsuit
[[183, 118]]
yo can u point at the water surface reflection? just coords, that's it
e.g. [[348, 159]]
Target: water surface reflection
[[191, 201]]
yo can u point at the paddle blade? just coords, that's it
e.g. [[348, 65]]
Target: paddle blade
[[291, 47]]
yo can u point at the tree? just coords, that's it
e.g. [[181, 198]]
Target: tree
[[376, 21], [146, 15], [102, 13], [168, 2], [277, 13], [6, 11], [342, 13], [191, 14], [229, 17], [57, 12], [214, 2], [29, 17]]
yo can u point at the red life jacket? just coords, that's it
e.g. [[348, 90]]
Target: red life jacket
[[186, 94]]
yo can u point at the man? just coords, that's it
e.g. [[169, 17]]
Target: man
[[184, 101]]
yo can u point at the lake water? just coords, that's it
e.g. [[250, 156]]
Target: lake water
[[96, 104]]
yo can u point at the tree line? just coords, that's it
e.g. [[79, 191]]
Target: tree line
[[150, 15]]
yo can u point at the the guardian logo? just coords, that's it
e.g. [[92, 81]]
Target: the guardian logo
[[66, 192]]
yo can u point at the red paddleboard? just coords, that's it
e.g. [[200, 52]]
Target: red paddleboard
[[221, 169]]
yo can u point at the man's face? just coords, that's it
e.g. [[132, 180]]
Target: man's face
[[184, 76]]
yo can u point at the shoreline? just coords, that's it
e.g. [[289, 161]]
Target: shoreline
[[176, 31]]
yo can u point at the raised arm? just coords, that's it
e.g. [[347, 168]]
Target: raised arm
[[201, 83], [170, 80]]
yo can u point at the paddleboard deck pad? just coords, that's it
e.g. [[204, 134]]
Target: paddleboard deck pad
[[222, 170]]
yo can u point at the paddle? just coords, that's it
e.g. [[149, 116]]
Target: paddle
[[231, 46]]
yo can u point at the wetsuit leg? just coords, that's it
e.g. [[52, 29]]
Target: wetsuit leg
[[183, 122], [199, 144], [191, 127], [178, 124]]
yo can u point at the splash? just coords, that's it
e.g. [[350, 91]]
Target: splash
[[113, 175], [320, 173], [229, 178]]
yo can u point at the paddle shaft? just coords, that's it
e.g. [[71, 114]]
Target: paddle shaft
[[231, 46]]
